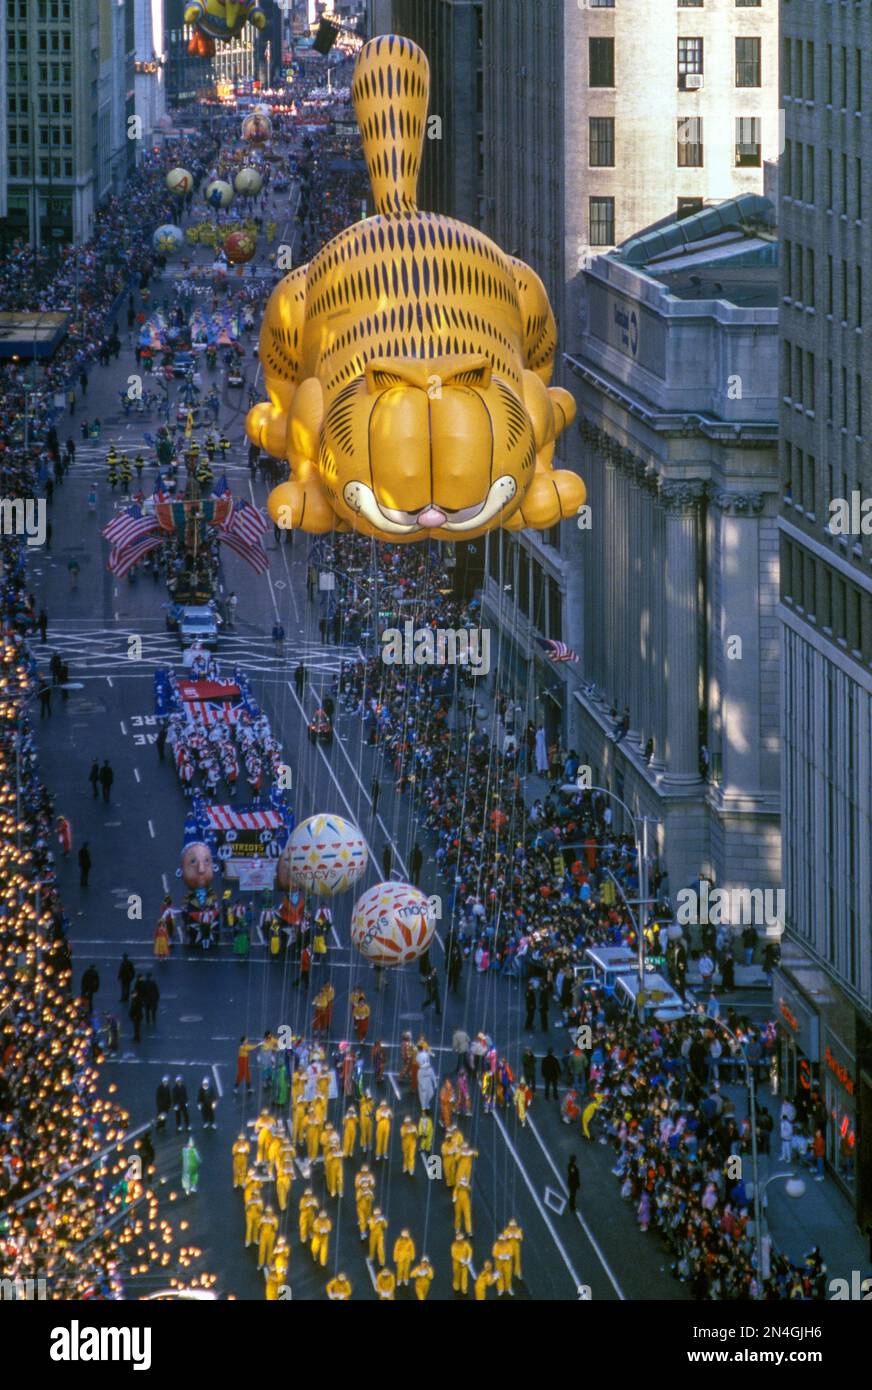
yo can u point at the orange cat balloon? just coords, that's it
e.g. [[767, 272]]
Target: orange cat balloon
[[407, 365]]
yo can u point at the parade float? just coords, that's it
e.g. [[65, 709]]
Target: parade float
[[408, 364]]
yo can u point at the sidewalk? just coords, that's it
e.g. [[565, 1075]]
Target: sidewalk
[[823, 1216]]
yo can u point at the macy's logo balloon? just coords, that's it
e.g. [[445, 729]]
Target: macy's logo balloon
[[407, 365]]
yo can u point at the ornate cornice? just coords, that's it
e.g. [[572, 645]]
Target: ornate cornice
[[682, 496], [742, 503]]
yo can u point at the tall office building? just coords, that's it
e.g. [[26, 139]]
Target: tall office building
[[4, 127], [602, 120], [824, 990], [673, 601], [450, 33], [150, 66], [70, 91]]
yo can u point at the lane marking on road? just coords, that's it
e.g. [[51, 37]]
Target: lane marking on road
[[393, 1080], [291, 587], [371, 1267], [151, 830], [163, 879], [109, 678], [136, 774], [561, 1249], [123, 725], [218, 1086], [335, 936], [387, 834], [564, 1190]]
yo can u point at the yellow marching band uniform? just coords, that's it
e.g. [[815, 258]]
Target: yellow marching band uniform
[[275, 1153]]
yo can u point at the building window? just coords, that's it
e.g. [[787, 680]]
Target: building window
[[690, 148], [748, 147], [829, 74], [602, 221], [858, 294], [602, 4], [809, 70], [747, 62], [797, 181], [810, 296], [810, 379], [690, 63], [787, 168], [844, 291], [858, 387], [788, 269], [830, 394], [602, 142], [748, 4], [690, 4], [809, 173], [787, 67], [601, 62]]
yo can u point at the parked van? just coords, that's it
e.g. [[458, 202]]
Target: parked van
[[661, 1000], [609, 963]]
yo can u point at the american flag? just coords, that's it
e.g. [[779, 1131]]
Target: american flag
[[129, 526], [558, 651], [243, 532], [121, 561]]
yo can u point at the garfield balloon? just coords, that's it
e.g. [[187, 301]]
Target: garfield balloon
[[407, 365]]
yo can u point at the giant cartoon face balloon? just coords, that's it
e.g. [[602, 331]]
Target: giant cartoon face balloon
[[408, 364], [198, 869]]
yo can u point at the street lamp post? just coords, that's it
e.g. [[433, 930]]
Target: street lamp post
[[644, 900], [739, 1047]]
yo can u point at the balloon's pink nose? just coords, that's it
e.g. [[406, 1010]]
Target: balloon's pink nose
[[431, 517]]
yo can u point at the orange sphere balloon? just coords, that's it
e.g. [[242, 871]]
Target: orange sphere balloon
[[240, 247]]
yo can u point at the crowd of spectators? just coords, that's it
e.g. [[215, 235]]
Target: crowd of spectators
[[529, 889]]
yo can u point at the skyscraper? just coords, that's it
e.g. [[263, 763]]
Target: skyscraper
[[452, 168], [70, 92], [600, 121], [151, 93], [825, 987]]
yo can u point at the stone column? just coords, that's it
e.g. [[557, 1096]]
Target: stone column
[[609, 618], [738, 671], [656, 600], [681, 502]]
